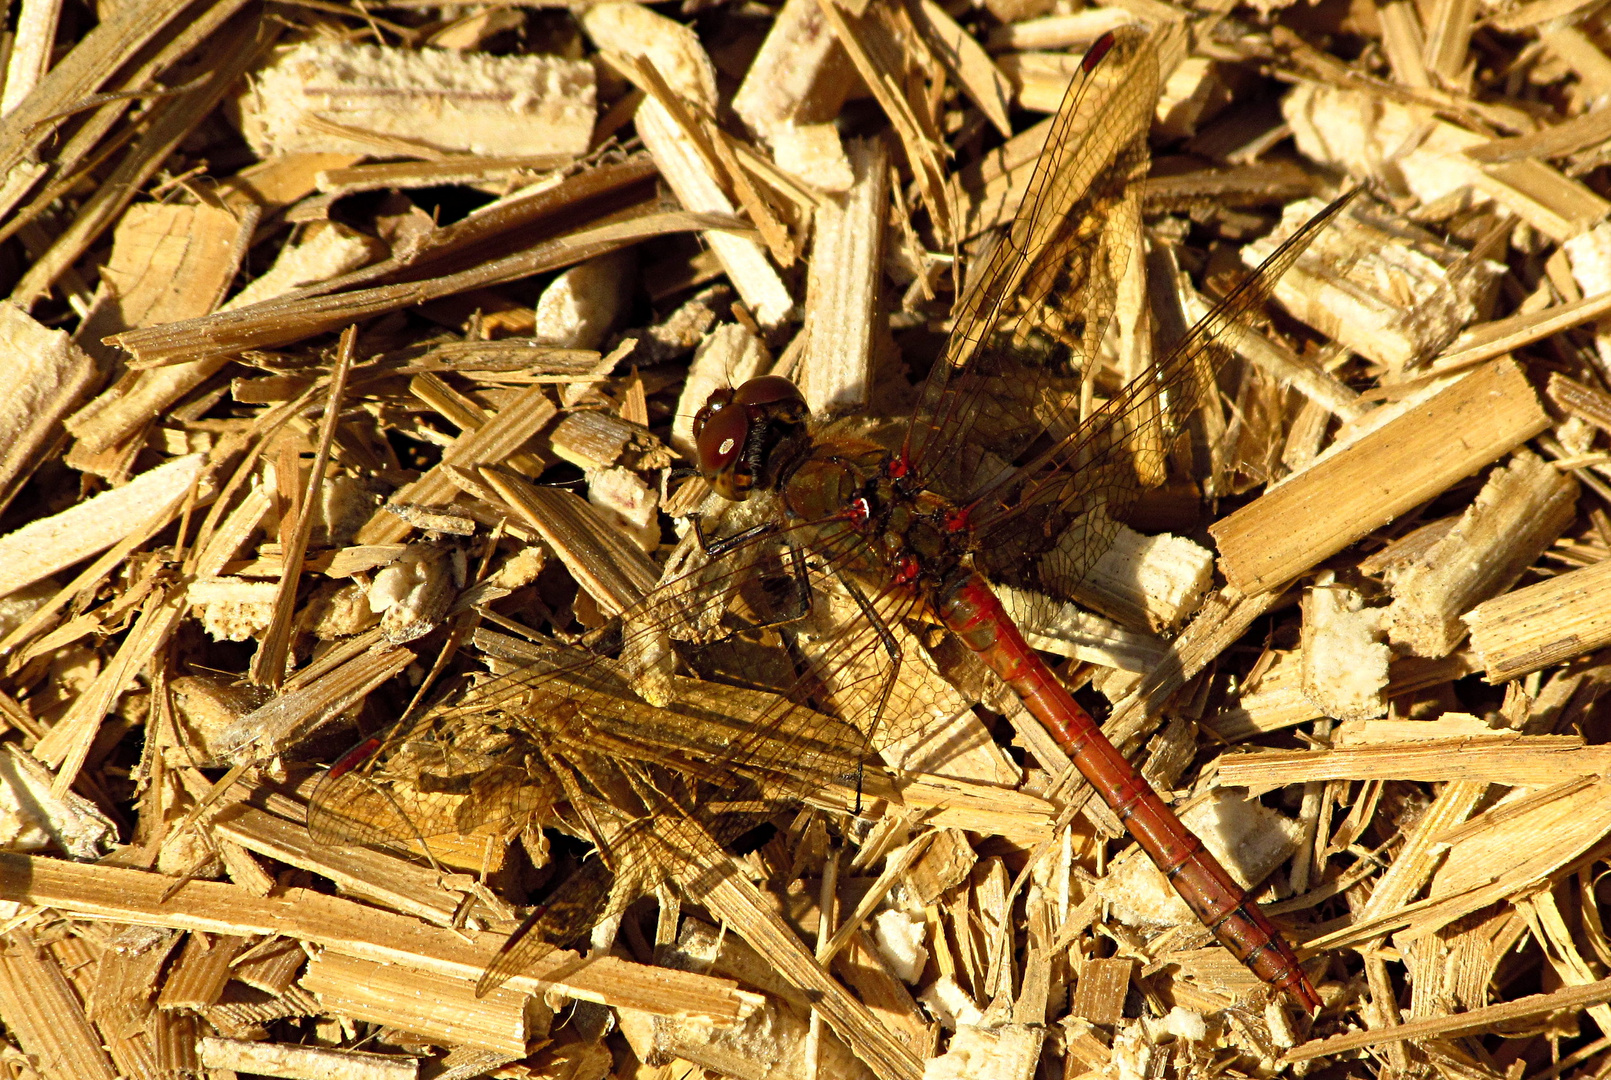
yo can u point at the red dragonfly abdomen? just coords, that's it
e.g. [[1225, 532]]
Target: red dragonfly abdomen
[[973, 613]]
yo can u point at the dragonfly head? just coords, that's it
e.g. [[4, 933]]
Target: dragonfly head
[[739, 427]]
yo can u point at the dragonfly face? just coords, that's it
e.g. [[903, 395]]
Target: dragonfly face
[[739, 429]]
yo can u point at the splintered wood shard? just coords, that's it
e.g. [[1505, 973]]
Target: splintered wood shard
[[353, 930], [1520, 511], [47, 545], [1543, 624], [1365, 484], [336, 97], [46, 379]]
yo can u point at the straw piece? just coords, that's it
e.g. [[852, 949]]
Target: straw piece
[[1572, 997], [814, 153], [590, 440], [736, 901], [94, 58], [121, 1003], [1039, 79], [613, 570], [479, 171], [497, 440], [325, 250], [1572, 47], [1585, 401], [377, 876], [301, 709], [170, 121], [967, 62], [1152, 583], [1518, 760], [774, 1041], [307, 311], [271, 965], [67, 745], [1557, 140], [1074, 632], [1220, 621], [1488, 340], [1071, 33], [878, 41]]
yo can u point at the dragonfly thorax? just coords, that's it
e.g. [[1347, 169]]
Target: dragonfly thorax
[[907, 529]]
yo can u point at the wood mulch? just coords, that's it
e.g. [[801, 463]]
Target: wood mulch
[[352, 345]]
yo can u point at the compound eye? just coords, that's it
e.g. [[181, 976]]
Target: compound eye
[[767, 390], [720, 439], [719, 399]]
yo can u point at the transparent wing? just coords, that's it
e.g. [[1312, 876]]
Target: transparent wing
[[570, 731], [1078, 489], [1033, 314]]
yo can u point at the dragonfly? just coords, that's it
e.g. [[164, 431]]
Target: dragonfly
[[842, 538]]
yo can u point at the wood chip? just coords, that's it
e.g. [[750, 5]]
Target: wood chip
[[678, 57], [1407, 459], [304, 1062], [1542, 624], [40, 1008], [340, 98], [1331, 125], [200, 972], [1344, 662], [45, 546], [545, 238], [842, 292], [438, 1007], [800, 76], [1392, 297], [1518, 513]]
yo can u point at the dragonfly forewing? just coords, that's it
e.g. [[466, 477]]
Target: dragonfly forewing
[[1032, 316]]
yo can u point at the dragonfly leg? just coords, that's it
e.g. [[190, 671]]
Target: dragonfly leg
[[716, 547], [802, 583], [886, 638]]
